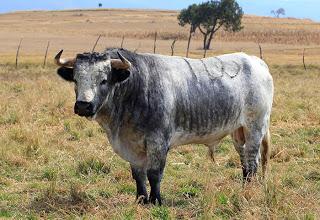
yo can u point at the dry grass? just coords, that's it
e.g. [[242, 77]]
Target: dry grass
[[57, 165]]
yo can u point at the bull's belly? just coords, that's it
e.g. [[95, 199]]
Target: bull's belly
[[185, 137]]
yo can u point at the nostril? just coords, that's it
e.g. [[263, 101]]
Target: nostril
[[83, 108], [82, 105]]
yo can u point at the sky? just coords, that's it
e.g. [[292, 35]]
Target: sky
[[294, 8]]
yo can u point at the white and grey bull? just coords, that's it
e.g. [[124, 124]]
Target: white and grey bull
[[148, 104]]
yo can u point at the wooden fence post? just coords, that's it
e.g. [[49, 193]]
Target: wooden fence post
[[121, 46], [172, 46], [17, 54], [94, 46], [260, 49], [45, 55], [154, 43], [303, 59]]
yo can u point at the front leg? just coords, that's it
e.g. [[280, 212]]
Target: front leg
[[140, 176], [156, 163], [154, 177]]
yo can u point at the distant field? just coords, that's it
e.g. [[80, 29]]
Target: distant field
[[282, 40], [56, 165]]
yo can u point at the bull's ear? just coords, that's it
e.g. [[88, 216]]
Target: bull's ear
[[119, 75], [66, 73]]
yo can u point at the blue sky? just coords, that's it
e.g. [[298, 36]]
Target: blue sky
[[294, 8]]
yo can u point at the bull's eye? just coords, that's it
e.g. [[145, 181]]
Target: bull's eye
[[103, 82]]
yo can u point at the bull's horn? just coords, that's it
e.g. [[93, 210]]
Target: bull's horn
[[121, 63], [66, 62]]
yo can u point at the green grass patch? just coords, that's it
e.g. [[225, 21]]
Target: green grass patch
[[92, 166], [160, 212], [5, 213], [127, 189]]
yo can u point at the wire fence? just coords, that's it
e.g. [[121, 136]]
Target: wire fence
[[263, 52]]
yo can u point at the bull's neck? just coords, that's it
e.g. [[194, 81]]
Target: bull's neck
[[114, 110]]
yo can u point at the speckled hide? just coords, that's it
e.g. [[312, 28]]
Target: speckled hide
[[169, 101]]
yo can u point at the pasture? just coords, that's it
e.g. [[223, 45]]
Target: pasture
[[55, 164]]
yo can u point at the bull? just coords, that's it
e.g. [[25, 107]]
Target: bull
[[148, 104]]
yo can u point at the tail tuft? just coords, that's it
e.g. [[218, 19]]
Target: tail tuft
[[211, 153]]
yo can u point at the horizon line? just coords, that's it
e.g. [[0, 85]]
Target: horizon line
[[134, 9]]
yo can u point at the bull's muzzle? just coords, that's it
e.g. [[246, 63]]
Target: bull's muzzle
[[84, 109]]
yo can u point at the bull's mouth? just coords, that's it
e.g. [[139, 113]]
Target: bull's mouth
[[91, 117], [86, 115], [89, 113]]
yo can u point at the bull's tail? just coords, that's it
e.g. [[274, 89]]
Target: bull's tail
[[211, 152], [265, 152]]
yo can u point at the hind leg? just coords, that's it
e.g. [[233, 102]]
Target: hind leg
[[239, 144], [254, 134]]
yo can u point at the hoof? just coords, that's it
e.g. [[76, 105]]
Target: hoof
[[142, 200], [248, 175], [153, 199]]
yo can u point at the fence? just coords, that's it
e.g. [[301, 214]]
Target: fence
[[259, 47]]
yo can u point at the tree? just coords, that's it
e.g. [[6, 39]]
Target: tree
[[190, 16], [273, 12], [100, 5], [278, 12], [217, 14]]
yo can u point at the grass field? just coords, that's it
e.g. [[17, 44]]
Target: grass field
[[55, 164]]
